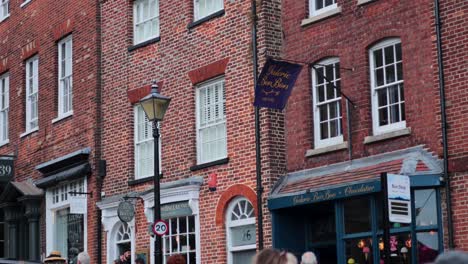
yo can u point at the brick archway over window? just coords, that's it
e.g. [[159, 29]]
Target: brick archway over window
[[228, 195]]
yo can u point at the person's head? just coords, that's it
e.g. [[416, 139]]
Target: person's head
[[127, 254], [308, 258], [139, 261], [54, 258], [270, 256], [83, 258], [452, 257], [291, 258], [176, 259]]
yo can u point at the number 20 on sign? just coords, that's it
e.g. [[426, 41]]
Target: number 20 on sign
[[160, 228]]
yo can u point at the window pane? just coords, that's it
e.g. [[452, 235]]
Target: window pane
[[379, 77], [330, 91], [382, 97], [383, 116], [334, 128], [321, 93], [426, 207], [324, 130], [323, 112], [393, 94], [329, 2], [400, 248], [395, 113], [378, 58], [360, 250], [399, 71], [428, 246], [390, 73], [318, 4], [321, 231], [243, 235], [389, 55], [398, 51], [357, 215], [243, 257], [319, 75]]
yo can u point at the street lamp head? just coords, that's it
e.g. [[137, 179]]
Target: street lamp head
[[155, 104]]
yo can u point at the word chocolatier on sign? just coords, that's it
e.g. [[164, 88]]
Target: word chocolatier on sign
[[275, 83]]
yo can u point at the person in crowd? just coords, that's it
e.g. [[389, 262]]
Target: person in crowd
[[126, 257], [139, 261], [308, 258], [55, 257], [176, 259], [452, 257], [291, 258], [83, 258], [271, 256]]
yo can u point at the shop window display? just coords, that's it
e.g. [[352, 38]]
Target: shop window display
[[181, 238]]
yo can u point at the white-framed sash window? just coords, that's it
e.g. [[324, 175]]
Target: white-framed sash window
[[204, 8], [32, 94], [388, 99], [145, 20], [211, 121], [240, 231], [144, 145], [327, 103], [65, 71], [4, 9], [317, 7], [4, 107]]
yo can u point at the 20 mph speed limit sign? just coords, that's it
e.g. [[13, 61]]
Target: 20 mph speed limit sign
[[160, 228]]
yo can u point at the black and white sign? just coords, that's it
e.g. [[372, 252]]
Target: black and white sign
[[6, 168], [160, 228], [399, 198], [126, 211]]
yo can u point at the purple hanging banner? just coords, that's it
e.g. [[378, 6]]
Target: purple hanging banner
[[275, 83]]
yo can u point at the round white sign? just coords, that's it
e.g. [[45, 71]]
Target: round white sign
[[160, 228]]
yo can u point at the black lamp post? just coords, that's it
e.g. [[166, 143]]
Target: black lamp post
[[155, 106]]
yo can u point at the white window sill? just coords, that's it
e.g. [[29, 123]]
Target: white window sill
[[319, 151], [321, 16], [55, 120], [29, 132], [4, 143], [5, 17], [363, 2], [25, 3], [388, 135]]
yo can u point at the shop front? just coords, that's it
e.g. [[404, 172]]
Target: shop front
[[338, 215]]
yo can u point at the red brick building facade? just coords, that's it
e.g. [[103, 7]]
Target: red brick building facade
[[382, 56], [49, 75], [201, 57]]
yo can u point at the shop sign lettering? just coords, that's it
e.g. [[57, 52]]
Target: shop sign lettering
[[336, 193], [275, 83], [126, 211]]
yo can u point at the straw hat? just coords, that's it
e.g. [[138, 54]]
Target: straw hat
[[54, 256]]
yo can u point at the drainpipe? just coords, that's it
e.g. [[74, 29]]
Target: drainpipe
[[444, 124], [257, 130], [98, 140]]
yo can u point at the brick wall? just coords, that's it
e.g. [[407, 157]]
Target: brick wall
[[181, 59], [348, 36], [454, 49], [34, 29]]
